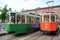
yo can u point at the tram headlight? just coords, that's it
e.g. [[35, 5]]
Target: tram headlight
[[46, 27]]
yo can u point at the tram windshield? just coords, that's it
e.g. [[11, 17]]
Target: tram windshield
[[46, 18], [52, 18]]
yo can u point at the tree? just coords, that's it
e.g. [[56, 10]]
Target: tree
[[0, 12], [3, 13]]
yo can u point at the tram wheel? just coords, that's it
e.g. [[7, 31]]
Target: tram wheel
[[45, 32]]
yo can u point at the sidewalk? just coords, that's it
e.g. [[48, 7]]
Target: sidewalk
[[3, 33], [2, 30]]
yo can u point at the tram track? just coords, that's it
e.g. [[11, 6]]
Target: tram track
[[52, 37], [24, 35], [55, 36], [35, 37], [49, 37], [32, 37], [39, 36]]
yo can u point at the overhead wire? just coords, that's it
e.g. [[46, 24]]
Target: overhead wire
[[29, 2]]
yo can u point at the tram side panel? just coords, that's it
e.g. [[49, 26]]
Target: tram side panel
[[35, 26], [10, 27], [22, 28]]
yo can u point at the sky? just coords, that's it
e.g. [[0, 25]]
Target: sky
[[27, 4]]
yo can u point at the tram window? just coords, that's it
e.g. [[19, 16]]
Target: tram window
[[52, 18], [20, 19], [12, 19], [40, 18], [56, 17], [32, 19], [28, 19], [23, 19], [37, 20], [46, 18]]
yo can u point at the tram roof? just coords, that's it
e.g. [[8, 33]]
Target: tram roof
[[24, 13]]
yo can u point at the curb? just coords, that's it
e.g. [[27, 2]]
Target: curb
[[3, 34]]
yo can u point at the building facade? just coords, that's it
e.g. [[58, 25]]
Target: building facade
[[55, 8]]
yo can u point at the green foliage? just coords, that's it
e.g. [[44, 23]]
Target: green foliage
[[3, 12]]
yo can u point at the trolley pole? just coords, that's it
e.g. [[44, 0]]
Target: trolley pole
[[49, 2]]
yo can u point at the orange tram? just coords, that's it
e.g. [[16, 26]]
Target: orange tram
[[48, 21]]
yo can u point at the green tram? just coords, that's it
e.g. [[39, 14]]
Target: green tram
[[21, 22]]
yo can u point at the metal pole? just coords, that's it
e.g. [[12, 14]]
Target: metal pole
[[15, 18], [25, 19], [9, 17]]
